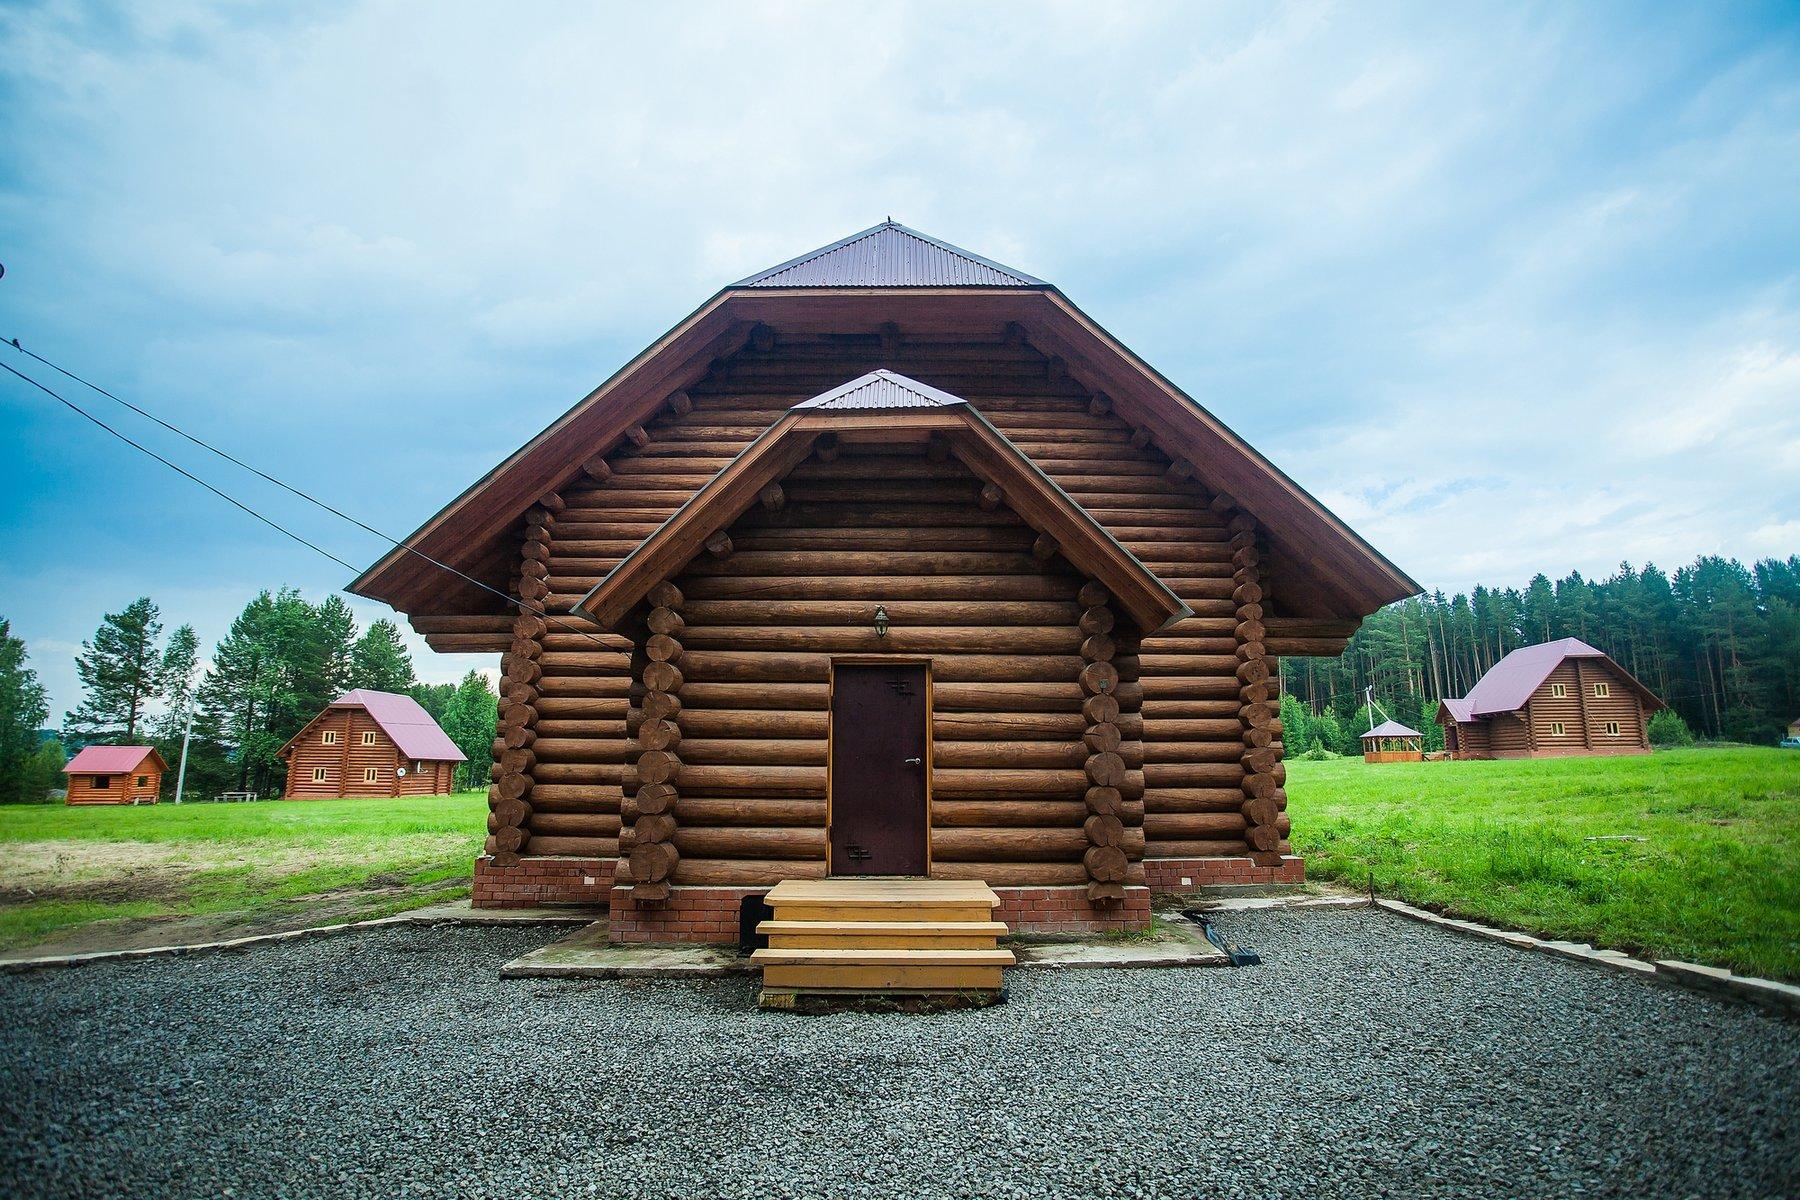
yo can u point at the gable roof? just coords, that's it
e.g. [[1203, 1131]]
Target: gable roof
[[1460, 711], [1390, 729], [1510, 682], [889, 255], [902, 408], [112, 760], [1318, 564], [402, 718]]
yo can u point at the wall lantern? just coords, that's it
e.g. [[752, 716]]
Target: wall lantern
[[881, 620]]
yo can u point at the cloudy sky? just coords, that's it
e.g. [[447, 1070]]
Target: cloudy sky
[[1513, 288]]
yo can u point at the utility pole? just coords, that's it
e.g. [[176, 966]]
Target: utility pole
[[187, 734]]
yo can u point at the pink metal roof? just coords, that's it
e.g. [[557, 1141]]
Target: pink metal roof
[[108, 760], [1391, 729], [890, 255], [402, 719], [1459, 710]]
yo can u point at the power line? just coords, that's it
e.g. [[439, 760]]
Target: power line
[[285, 486], [231, 500]]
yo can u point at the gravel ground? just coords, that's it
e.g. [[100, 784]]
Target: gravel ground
[[1369, 1056]]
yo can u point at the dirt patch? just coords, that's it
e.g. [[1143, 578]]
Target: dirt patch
[[111, 871]]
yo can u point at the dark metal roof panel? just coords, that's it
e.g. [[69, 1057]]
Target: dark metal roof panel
[[882, 389], [889, 255]]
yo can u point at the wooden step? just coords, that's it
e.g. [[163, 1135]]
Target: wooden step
[[882, 970], [921, 935], [938, 900]]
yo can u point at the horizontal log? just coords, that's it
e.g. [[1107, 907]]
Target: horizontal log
[[754, 842], [711, 666], [901, 613], [589, 800], [1008, 755], [743, 811], [962, 639], [1012, 844], [581, 772], [1169, 827], [1185, 775], [575, 824], [883, 588], [579, 750], [1066, 814], [757, 751], [1193, 799], [582, 728], [573, 847], [983, 784], [1206, 848], [1013, 874], [1196, 752]]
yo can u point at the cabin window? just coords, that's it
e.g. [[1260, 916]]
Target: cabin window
[[329, 737], [318, 774], [1612, 729], [103, 781], [143, 781], [370, 774], [1558, 690], [1602, 690], [1556, 729], [368, 737]]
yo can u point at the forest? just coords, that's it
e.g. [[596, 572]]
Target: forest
[[1718, 640], [281, 662]]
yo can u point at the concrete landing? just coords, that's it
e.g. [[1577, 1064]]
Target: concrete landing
[[1172, 942], [586, 954]]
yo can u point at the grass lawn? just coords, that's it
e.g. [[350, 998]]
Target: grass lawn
[[1691, 854], [255, 866]]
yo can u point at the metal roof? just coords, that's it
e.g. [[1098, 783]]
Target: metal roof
[[1391, 729], [889, 255], [406, 721], [1461, 711], [882, 389], [109, 760]]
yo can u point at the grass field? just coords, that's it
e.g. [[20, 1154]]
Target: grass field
[[1691, 854], [253, 866]]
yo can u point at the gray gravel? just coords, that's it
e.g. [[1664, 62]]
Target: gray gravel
[[1370, 1056]]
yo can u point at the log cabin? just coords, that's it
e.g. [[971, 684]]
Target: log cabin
[[115, 775], [1391, 741], [1551, 700], [885, 561], [369, 743]]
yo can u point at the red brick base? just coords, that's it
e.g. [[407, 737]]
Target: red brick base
[[1189, 874], [690, 914], [535, 881], [1066, 910]]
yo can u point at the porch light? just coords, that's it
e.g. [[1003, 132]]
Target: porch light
[[881, 620]]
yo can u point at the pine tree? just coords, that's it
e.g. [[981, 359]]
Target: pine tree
[[380, 661], [337, 639], [23, 712], [121, 670]]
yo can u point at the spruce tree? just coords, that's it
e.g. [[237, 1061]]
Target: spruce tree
[[23, 712], [379, 660], [121, 670]]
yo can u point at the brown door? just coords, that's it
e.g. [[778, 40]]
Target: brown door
[[878, 755]]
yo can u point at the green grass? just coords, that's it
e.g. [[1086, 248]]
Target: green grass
[[259, 862], [1550, 846]]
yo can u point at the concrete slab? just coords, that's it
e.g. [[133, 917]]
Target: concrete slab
[[586, 954], [463, 913], [1174, 943]]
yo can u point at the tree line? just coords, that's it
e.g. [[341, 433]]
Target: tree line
[[1718, 640], [281, 662]]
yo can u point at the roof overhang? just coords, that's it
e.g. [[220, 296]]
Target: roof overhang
[[1322, 564], [969, 436]]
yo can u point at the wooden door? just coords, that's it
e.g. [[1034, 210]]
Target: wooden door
[[880, 748]]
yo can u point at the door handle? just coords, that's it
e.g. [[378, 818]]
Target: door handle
[[915, 762]]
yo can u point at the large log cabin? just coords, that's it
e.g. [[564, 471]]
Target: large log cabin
[[1551, 700], [887, 560], [370, 743], [115, 775]]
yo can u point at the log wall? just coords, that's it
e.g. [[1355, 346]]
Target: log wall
[[355, 767], [119, 789], [1191, 730]]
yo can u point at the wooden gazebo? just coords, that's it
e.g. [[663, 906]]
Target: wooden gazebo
[[1391, 741]]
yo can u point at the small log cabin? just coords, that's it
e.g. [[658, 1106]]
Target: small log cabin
[[115, 775], [369, 743], [887, 560], [1391, 741], [1548, 701]]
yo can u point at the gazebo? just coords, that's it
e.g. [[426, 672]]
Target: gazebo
[[1391, 741]]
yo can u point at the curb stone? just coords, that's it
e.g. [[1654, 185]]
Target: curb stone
[[1781, 997]]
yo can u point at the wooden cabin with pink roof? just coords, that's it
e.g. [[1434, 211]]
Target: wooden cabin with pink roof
[[115, 775], [1551, 700], [369, 743]]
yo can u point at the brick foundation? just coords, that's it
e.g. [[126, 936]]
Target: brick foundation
[[535, 881], [690, 914], [1189, 874], [1066, 910]]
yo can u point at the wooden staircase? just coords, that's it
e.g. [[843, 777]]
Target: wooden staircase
[[877, 937]]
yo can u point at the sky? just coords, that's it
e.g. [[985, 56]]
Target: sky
[[1510, 287]]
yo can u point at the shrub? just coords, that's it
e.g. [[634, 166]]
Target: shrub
[[1318, 753], [1668, 729]]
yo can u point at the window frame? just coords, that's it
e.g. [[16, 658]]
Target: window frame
[[328, 737], [1602, 689], [371, 774], [1557, 729], [1613, 729], [101, 783], [1559, 691], [318, 775], [368, 737]]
